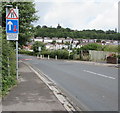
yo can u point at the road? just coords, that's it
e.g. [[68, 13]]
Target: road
[[91, 87]]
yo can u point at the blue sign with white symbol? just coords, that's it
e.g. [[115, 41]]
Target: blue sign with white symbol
[[12, 26]]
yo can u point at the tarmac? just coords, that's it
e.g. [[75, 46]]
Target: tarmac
[[31, 94]]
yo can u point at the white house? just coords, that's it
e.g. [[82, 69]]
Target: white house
[[50, 46], [75, 41], [91, 40], [85, 40], [67, 40], [47, 40], [38, 39], [115, 42], [57, 40], [73, 45], [58, 46], [79, 46]]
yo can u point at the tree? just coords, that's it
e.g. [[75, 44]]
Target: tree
[[53, 42], [36, 46], [58, 27], [92, 46], [110, 32], [8, 65], [37, 27], [67, 32], [98, 41], [26, 17], [44, 26]]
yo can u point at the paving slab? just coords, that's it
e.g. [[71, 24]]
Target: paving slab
[[31, 94]]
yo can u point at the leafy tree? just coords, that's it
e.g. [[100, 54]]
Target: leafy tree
[[58, 27], [8, 51], [110, 32], [98, 41], [37, 27], [26, 17], [53, 42], [67, 43], [67, 32], [44, 26], [92, 46], [36, 46]]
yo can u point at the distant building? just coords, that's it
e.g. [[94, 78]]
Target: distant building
[[47, 40], [58, 40], [75, 41], [50, 46], [38, 39], [67, 40]]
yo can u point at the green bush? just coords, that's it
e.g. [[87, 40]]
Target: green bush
[[92, 46], [76, 57], [45, 53], [61, 54], [8, 66], [52, 54], [26, 52], [36, 46], [111, 48]]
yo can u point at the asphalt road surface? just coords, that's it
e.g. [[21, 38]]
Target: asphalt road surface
[[91, 87]]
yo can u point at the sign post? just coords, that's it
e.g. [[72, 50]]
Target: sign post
[[12, 29]]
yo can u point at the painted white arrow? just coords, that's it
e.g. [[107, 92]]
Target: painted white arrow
[[10, 24]]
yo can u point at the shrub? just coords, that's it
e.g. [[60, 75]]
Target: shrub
[[8, 66], [76, 57], [36, 45], [26, 52], [45, 53], [92, 46], [111, 48], [61, 54]]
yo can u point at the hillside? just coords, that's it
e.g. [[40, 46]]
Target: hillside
[[60, 32]]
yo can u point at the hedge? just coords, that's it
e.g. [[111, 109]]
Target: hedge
[[8, 66], [26, 52]]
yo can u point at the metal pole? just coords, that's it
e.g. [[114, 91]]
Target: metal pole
[[8, 62], [17, 56], [17, 60]]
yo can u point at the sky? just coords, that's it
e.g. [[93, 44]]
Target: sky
[[78, 14]]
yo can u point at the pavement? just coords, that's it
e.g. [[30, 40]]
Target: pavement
[[96, 63], [31, 94]]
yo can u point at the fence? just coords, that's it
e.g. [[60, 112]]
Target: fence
[[99, 55]]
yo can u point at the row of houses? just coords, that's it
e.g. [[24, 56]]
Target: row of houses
[[57, 40], [61, 46], [74, 41], [60, 43]]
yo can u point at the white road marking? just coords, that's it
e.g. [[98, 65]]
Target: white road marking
[[99, 74]]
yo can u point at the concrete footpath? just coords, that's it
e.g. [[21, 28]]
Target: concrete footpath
[[31, 94]]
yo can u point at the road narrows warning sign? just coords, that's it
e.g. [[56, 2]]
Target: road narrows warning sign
[[12, 14], [12, 24]]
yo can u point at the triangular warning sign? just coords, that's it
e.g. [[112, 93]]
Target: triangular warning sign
[[13, 14]]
